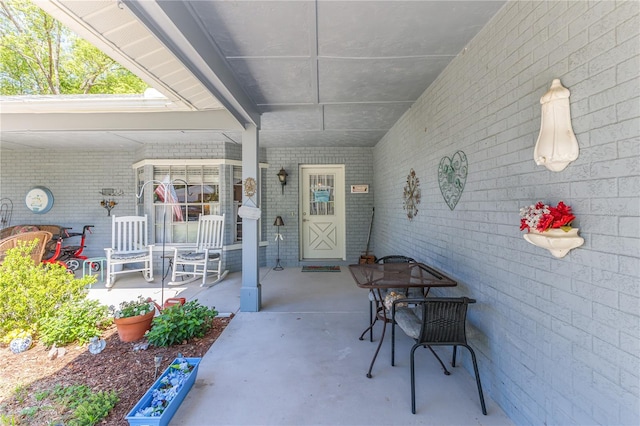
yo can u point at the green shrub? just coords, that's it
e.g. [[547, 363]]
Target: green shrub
[[93, 409], [75, 321], [179, 323], [87, 407], [29, 292]]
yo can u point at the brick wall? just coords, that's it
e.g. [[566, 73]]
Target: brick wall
[[557, 339], [358, 170], [76, 178]]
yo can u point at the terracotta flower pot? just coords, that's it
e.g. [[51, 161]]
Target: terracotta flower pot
[[131, 329]]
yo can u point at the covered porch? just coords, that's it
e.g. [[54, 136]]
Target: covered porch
[[299, 360]]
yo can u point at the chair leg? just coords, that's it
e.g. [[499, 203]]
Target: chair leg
[[475, 369], [453, 358], [205, 268], [413, 378], [110, 278], [370, 319], [393, 343], [174, 273]]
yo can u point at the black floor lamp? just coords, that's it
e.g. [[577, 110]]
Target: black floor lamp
[[278, 222]]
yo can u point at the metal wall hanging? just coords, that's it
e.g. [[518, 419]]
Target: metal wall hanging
[[452, 176], [411, 195]]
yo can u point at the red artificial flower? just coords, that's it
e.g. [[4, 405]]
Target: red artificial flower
[[541, 217], [561, 216], [545, 222]]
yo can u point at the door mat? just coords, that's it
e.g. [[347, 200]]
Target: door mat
[[320, 269]]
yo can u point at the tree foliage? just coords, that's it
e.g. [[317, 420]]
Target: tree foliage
[[40, 56]]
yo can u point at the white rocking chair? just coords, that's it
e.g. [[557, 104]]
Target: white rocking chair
[[205, 257], [129, 246]]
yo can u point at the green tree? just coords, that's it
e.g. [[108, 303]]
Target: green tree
[[39, 55]]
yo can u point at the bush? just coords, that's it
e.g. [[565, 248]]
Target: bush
[[88, 407], [179, 323], [75, 321], [29, 292]]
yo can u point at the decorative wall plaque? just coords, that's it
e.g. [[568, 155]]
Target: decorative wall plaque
[[411, 195], [250, 187], [452, 176], [39, 199]]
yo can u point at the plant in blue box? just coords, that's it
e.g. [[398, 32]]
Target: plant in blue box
[[161, 401], [170, 385]]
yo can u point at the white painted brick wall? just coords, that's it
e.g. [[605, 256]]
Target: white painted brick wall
[[76, 178], [558, 339], [358, 170]]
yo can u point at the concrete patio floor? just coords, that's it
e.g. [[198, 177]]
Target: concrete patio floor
[[299, 361]]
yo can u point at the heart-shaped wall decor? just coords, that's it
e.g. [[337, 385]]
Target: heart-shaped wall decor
[[452, 176]]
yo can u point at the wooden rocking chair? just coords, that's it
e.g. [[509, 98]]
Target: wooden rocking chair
[[205, 258], [129, 246]]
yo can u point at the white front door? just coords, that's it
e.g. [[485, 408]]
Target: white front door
[[323, 212]]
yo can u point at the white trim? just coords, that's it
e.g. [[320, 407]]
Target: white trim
[[191, 162]]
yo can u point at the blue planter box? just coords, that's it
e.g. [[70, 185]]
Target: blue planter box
[[171, 409]]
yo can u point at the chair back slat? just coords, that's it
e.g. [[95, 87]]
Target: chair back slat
[[444, 320], [210, 232], [129, 234]]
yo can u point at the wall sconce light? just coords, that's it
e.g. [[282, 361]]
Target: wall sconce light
[[557, 145], [278, 222], [282, 177]]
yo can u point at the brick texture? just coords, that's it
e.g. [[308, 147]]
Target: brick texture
[[557, 338]]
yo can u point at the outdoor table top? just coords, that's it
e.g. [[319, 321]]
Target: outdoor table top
[[398, 275]]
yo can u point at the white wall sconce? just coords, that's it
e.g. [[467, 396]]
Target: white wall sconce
[[557, 145]]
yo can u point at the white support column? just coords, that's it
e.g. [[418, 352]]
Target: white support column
[[250, 293]]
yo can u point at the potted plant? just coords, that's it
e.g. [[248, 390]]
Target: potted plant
[[133, 318], [158, 405], [550, 227]]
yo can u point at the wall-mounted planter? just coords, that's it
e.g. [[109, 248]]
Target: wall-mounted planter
[[557, 241], [135, 419]]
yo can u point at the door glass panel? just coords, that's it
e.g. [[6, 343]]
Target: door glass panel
[[321, 194]]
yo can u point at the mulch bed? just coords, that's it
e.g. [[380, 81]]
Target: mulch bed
[[118, 367]]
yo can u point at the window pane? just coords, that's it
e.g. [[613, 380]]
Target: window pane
[[322, 195], [184, 202]]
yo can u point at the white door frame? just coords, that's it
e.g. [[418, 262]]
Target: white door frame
[[340, 207]]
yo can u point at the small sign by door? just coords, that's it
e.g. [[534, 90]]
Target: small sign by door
[[359, 189]]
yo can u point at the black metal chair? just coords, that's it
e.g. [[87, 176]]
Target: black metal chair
[[434, 321], [374, 303]]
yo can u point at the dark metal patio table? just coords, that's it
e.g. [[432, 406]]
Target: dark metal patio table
[[378, 277]]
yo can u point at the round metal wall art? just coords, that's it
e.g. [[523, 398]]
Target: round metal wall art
[[452, 177], [411, 195]]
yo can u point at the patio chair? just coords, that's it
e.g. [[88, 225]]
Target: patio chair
[[129, 247], [434, 321], [374, 303], [205, 258], [13, 241]]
